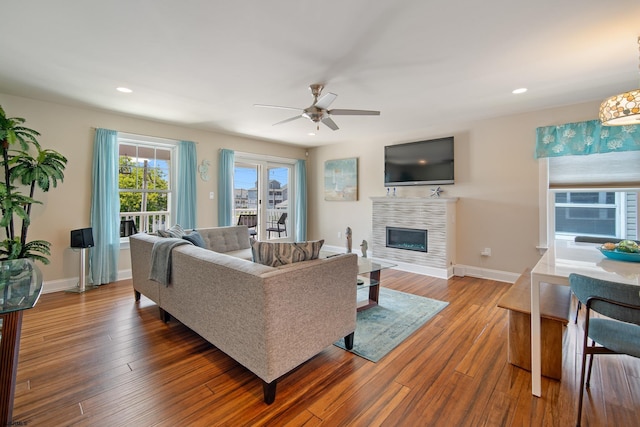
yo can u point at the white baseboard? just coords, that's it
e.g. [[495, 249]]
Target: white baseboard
[[485, 273], [459, 270], [441, 273], [72, 283]]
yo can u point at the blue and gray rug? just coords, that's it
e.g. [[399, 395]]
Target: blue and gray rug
[[382, 328]]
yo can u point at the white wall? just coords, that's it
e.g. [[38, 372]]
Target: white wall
[[496, 183], [70, 131]]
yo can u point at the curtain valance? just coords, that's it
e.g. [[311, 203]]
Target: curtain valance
[[588, 137]]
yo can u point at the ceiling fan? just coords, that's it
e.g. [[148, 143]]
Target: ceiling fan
[[318, 111]]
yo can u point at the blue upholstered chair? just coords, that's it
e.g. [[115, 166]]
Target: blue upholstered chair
[[618, 333]]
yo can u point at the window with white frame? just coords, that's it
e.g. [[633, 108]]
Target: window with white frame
[[146, 182], [594, 195]]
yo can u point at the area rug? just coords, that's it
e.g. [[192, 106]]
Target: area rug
[[382, 328]]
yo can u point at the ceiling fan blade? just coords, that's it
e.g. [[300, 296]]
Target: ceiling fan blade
[[277, 106], [342, 112], [330, 123], [326, 100], [290, 119]]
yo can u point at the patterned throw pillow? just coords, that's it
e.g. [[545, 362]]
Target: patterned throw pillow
[[195, 238], [176, 231], [276, 254]]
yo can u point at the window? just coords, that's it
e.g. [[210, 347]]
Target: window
[[590, 213], [145, 183], [593, 195]]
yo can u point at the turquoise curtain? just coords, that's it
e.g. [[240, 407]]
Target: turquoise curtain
[[301, 200], [186, 185], [105, 209], [589, 137], [225, 187]]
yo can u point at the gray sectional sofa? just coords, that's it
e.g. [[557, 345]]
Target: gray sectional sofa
[[269, 319]]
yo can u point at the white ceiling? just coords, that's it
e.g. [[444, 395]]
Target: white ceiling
[[204, 64]]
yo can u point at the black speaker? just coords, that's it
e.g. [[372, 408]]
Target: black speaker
[[82, 238]]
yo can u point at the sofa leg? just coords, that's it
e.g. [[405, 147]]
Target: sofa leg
[[348, 341], [269, 390], [164, 316], [136, 294]]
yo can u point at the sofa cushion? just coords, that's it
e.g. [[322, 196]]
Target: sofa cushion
[[245, 254], [276, 254], [176, 231], [226, 239], [195, 238]]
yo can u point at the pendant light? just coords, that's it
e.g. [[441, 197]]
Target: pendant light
[[622, 109]]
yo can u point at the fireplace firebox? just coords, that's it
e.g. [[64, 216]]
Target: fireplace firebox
[[410, 239]]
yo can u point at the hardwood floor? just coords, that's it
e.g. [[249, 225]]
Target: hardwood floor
[[100, 359]]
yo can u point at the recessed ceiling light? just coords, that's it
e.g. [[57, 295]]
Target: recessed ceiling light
[[124, 89], [311, 134], [520, 90]]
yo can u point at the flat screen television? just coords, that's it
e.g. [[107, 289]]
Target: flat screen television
[[427, 162]]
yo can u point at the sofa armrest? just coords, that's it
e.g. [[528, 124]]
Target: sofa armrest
[[141, 245], [308, 306]]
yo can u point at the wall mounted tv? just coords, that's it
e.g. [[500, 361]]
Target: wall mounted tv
[[419, 163]]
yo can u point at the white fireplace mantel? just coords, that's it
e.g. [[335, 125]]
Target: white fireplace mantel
[[436, 214], [414, 199]]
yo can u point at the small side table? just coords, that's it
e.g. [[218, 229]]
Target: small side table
[[20, 288]]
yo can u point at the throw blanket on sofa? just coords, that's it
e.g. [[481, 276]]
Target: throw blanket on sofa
[[161, 259]]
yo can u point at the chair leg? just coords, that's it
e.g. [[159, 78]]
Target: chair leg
[[582, 387], [593, 344]]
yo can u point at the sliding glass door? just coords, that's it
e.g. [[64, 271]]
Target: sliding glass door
[[277, 202], [263, 198]]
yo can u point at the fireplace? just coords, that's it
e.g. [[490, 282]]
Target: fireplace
[[410, 239]]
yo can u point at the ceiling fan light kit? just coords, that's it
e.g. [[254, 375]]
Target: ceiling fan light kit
[[318, 111], [622, 109]]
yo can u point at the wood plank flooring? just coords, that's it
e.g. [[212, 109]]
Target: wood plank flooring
[[100, 359]]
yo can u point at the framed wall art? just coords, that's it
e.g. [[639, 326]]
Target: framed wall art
[[341, 180]]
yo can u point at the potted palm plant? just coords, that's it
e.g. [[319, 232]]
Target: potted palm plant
[[26, 166]]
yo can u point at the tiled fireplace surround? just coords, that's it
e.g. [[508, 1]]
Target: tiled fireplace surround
[[436, 215]]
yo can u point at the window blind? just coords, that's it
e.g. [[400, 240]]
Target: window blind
[[606, 170]]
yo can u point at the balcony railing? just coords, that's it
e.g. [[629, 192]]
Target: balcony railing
[[148, 222], [272, 215]]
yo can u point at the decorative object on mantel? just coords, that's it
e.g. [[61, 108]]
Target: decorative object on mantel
[[436, 192], [622, 109], [364, 246], [203, 168], [341, 180], [348, 235]]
